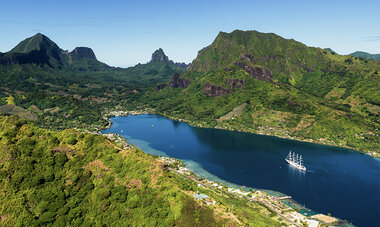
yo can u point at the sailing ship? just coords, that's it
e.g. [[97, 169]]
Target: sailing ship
[[295, 160]]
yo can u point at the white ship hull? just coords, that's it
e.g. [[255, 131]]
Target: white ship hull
[[303, 168], [295, 160]]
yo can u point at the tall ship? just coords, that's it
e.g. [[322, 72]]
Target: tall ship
[[295, 160]]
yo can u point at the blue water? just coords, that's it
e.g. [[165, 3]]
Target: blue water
[[338, 181]]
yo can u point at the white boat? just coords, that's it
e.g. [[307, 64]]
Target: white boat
[[295, 160]]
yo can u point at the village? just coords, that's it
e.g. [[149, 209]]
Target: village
[[276, 204]]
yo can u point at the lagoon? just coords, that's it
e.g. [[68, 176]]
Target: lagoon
[[339, 181]]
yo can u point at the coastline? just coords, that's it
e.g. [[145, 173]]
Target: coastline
[[124, 113], [240, 190]]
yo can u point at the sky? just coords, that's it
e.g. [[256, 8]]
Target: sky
[[125, 33]]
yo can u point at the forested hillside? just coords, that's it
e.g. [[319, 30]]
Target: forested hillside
[[69, 178], [62, 89], [278, 87]]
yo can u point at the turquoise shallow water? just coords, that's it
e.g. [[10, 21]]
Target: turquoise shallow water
[[338, 181]]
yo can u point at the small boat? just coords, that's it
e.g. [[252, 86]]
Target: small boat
[[152, 125], [295, 160]]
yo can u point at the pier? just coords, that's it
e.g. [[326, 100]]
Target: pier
[[284, 197]]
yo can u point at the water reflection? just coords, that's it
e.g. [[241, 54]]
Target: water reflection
[[296, 174]]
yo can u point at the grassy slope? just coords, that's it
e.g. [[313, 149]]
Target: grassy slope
[[70, 178], [317, 95]]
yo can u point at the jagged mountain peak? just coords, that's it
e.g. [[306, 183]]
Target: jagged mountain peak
[[41, 50], [159, 56]]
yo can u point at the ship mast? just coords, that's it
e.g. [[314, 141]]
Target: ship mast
[[295, 160]]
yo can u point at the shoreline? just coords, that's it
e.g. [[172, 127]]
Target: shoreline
[[281, 204], [240, 190], [373, 154]]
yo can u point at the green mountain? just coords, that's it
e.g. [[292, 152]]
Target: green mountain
[[245, 80], [72, 88], [37, 49], [82, 53], [159, 69], [366, 55], [159, 56], [40, 50], [36, 42], [83, 58], [268, 50], [263, 83]]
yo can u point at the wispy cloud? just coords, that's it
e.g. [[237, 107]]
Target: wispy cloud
[[371, 38]]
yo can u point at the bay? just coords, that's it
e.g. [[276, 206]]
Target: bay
[[339, 181]]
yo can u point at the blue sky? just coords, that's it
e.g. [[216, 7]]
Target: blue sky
[[124, 33]]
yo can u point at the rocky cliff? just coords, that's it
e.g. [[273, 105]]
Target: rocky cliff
[[159, 56]]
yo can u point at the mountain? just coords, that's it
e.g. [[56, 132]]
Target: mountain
[[288, 89], [159, 56], [41, 50], [37, 49], [83, 58], [73, 89], [36, 42], [268, 84], [266, 50], [159, 69], [83, 53], [366, 55]]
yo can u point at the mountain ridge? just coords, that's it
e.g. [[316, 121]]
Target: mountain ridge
[[366, 55], [292, 91], [314, 90], [41, 50]]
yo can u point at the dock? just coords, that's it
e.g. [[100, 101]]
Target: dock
[[284, 197]]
